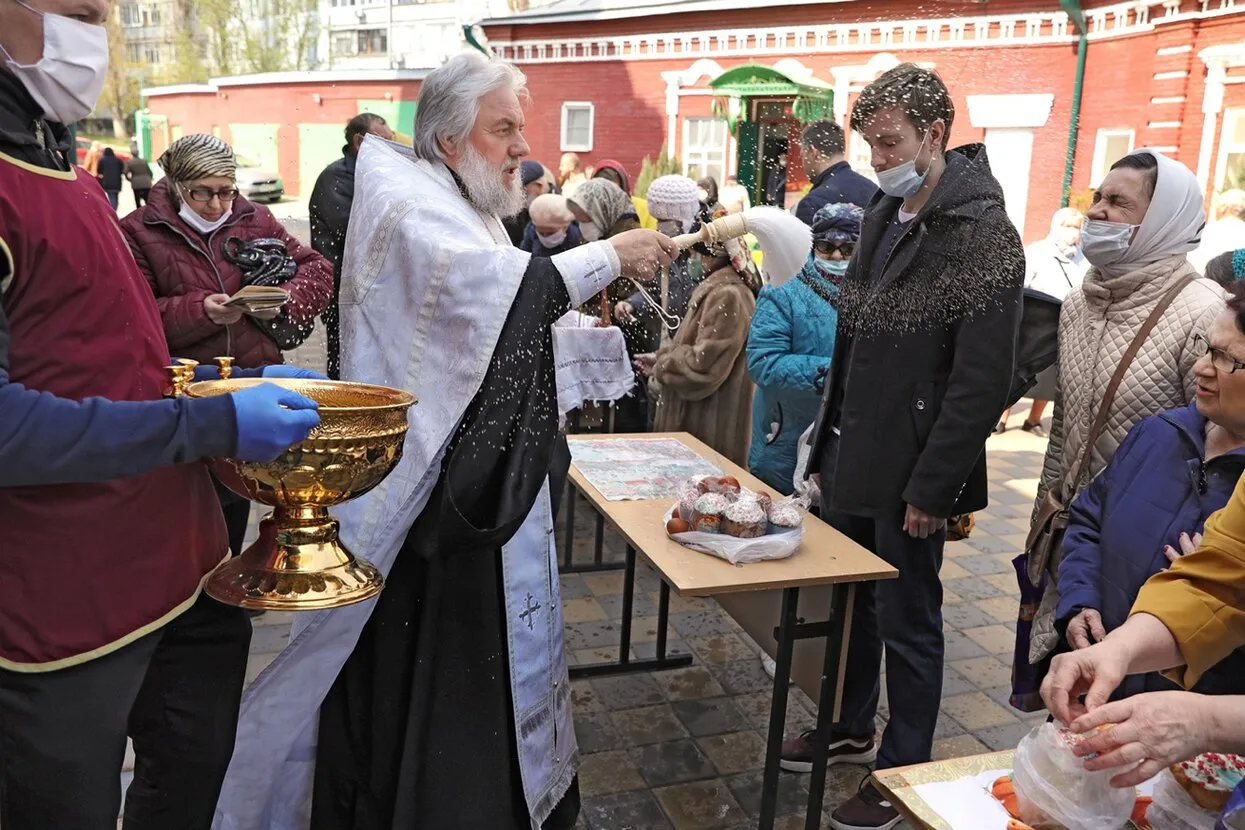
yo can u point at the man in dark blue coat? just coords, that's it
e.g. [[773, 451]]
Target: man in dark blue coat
[[822, 148]]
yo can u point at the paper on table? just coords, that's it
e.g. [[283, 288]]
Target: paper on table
[[966, 803], [627, 469]]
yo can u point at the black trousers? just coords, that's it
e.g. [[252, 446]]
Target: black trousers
[[904, 615], [175, 692], [140, 196]]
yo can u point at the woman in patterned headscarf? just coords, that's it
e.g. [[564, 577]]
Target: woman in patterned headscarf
[[602, 210], [198, 241]]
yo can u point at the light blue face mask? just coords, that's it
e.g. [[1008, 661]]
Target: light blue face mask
[[902, 180], [830, 268]]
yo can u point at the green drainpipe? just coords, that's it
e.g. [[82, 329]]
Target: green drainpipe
[[470, 36], [1073, 8]]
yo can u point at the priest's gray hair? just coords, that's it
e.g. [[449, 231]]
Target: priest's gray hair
[[449, 100]]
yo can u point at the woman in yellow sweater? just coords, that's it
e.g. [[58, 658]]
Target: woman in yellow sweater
[[1185, 620]]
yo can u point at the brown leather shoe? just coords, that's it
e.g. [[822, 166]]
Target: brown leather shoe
[[867, 810]]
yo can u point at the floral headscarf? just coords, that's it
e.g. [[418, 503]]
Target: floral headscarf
[[736, 250], [604, 202]]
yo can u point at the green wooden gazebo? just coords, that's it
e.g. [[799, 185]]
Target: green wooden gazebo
[[735, 89]]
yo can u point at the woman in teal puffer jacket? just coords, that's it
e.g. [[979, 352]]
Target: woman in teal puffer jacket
[[790, 344]]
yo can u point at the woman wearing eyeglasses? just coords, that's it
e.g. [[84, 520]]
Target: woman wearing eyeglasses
[[187, 239], [790, 344], [1149, 505]]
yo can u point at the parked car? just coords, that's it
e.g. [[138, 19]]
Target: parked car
[[257, 183]]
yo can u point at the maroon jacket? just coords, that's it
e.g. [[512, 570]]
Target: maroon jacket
[[183, 268]]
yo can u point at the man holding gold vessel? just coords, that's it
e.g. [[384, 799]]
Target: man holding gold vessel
[[108, 520], [444, 703]]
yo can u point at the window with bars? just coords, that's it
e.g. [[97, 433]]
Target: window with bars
[[577, 125], [704, 148]]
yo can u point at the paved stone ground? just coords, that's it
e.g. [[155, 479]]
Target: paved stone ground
[[683, 749]]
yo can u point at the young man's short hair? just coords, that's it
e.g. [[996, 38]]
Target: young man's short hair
[[826, 137], [919, 93]]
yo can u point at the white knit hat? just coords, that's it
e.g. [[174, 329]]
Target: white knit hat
[[673, 198]]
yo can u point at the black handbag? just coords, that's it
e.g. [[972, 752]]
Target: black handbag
[[267, 262]]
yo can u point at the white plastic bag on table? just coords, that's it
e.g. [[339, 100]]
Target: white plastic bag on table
[[1053, 788], [1175, 809], [740, 551]]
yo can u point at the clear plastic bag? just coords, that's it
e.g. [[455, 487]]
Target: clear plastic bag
[[740, 551], [1053, 788], [1175, 809]]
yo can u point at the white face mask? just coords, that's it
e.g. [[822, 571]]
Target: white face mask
[[67, 80], [553, 240], [203, 226], [1105, 243], [902, 180], [702, 194], [589, 231]]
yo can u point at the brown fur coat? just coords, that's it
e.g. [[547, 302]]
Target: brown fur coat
[[703, 371]]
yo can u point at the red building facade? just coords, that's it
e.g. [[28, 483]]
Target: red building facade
[[620, 78], [613, 81]]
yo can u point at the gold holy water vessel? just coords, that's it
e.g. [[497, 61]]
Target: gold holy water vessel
[[298, 563]]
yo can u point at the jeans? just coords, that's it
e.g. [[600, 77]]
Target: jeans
[[905, 616], [114, 197], [175, 692]]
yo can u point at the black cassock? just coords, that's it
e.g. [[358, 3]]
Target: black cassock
[[418, 729]]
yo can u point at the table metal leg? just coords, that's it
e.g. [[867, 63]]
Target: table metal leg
[[778, 707], [624, 664], [663, 614], [842, 597]]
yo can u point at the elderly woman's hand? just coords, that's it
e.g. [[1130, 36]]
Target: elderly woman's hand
[[219, 313], [1150, 732], [1085, 625], [1094, 672]]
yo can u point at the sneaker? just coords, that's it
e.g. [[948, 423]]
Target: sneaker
[[867, 810], [797, 753], [1034, 429]]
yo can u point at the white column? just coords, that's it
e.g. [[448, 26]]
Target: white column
[[673, 81], [1212, 105]]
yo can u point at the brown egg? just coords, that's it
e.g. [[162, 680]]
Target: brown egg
[[677, 526]]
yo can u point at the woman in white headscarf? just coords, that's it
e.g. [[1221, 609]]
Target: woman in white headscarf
[[1146, 216]]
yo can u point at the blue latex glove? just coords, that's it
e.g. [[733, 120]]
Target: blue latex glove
[[271, 420], [284, 370]]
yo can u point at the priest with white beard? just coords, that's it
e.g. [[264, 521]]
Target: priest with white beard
[[444, 703]]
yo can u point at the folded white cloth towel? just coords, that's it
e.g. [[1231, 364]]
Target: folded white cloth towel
[[591, 362]]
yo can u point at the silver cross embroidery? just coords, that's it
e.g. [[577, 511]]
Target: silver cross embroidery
[[530, 611]]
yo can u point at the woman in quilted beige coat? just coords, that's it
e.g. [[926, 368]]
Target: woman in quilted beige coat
[[1132, 269]]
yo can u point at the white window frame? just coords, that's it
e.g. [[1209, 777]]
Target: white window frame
[[701, 152], [567, 106], [1226, 148], [860, 155], [1098, 171]]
